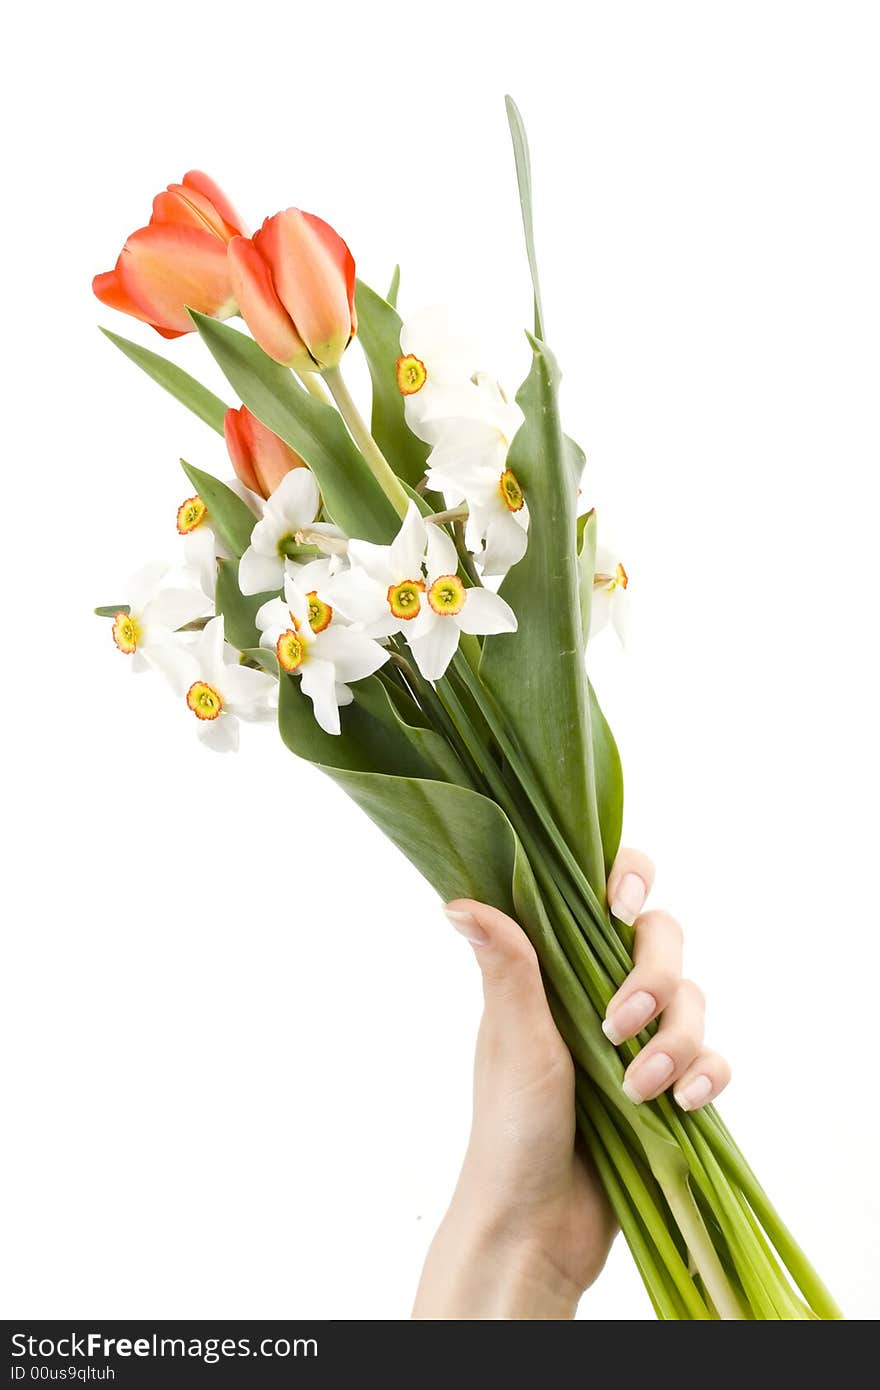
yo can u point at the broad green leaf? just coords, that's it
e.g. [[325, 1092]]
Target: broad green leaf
[[609, 781], [394, 288], [524, 183], [109, 610], [231, 518], [314, 429], [537, 673], [239, 610], [175, 380], [379, 336], [438, 758]]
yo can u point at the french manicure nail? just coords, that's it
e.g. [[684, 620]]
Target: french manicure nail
[[647, 1076], [694, 1094], [629, 899], [627, 1018], [468, 925]]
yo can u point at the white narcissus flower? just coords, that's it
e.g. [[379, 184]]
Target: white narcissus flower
[[610, 602], [217, 689], [202, 547], [451, 609], [310, 641], [292, 507], [384, 587], [468, 464], [153, 615], [433, 362]]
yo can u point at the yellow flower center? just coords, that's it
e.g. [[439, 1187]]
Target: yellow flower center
[[320, 613], [190, 514], [512, 494], [447, 595], [290, 650], [404, 599], [126, 633], [204, 701], [411, 374]]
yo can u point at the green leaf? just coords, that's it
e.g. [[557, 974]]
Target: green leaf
[[175, 380], [537, 674], [437, 757], [109, 610], [239, 610], [231, 518], [524, 182], [379, 336], [609, 781], [314, 429], [394, 288]]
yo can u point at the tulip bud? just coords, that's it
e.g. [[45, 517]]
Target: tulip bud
[[178, 261], [294, 285], [259, 457]]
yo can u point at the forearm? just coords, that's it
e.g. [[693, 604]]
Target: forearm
[[477, 1270]]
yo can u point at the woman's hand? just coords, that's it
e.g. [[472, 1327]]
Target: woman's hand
[[528, 1228]]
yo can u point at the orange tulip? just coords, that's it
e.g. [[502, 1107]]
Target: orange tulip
[[179, 260], [259, 457], [294, 284]]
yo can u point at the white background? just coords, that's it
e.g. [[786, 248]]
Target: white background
[[237, 1027]]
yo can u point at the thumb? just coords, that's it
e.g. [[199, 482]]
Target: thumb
[[512, 984]]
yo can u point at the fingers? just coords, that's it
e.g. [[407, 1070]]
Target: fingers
[[651, 985], [673, 1048], [629, 884], [512, 981], [702, 1081]]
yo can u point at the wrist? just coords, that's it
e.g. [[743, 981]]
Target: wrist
[[480, 1266]]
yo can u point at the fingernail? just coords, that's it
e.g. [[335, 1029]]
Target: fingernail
[[628, 899], [468, 925], [694, 1094], [625, 1020], [647, 1076]]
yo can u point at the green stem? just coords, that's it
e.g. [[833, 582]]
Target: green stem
[[373, 456]]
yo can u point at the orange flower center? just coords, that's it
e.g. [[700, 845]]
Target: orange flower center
[[411, 374], [190, 514], [404, 599], [320, 613], [290, 650], [511, 493], [447, 595], [204, 701]]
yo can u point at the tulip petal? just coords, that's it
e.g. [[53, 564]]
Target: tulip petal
[[166, 269], [201, 183], [313, 274], [261, 308]]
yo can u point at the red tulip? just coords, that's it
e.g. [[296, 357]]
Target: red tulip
[[259, 457], [294, 284], [179, 260]]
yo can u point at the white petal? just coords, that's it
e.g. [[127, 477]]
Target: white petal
[[175, 608], [296, 499], [310, 577], [258, 574], [485, 612], [241, 687], [353, 655], [143, 585], [298, 604], [375, 560], [620, 614], [442, 557], [200, 556], [176, 662], [506, 542], [319, 683], [250, 499], [220, 734], [273, 615], [434, 651], [344, 696], [408, 546], [600, 610], [357, 596], [208, 652]]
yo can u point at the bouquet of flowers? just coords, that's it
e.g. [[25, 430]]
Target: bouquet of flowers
[[410, 600]]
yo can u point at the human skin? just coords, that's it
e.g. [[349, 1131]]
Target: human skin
[[528, 1228]]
